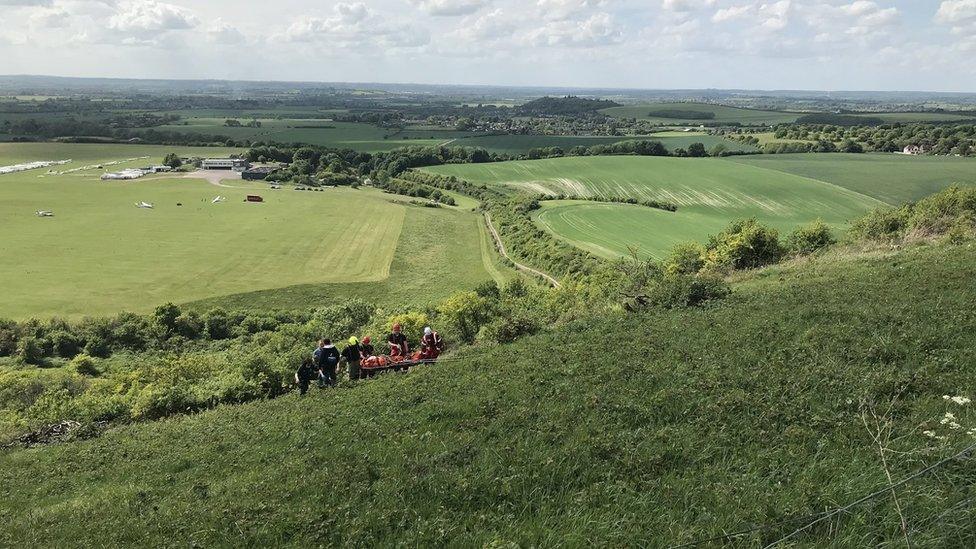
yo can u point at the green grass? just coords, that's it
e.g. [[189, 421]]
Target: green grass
[[440, 251], [516, 144], [642, 430], [100, 254], [892, 178], [709, 193], [722, 114]]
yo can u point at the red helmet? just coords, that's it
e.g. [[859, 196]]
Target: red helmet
[[366, 340], [397, 327]]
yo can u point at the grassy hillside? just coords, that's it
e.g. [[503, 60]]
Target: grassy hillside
[[649, 429], [720, 113], [892, 178], [709, 193]]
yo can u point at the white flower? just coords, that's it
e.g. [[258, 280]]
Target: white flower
[[954, 425], [961, 400], [946, 397], [930, 434]]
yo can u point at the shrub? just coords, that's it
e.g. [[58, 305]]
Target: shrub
[[216, 324], [30, 350], [64, 343], [685, 258], [488, 290], [508, 328], [687, 290], [810, 238], [8, 337], [745, 244], [85, 365], [412, 324], [465, 312], [880, 224]]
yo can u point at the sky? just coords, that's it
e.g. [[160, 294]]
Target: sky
[[925, 45]]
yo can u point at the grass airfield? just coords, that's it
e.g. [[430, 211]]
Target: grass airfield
[[100, 254]]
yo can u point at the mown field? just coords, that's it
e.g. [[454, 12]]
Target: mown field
[[892, 178], [722, 114], [517, 144], [709, 193], [100, 254], [651, 429]]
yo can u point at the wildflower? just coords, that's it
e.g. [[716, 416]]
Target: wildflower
[[931, 434], [946, 397], [954, 425], [961, 400]]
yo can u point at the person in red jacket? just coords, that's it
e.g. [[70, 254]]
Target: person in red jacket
[[431, 345]]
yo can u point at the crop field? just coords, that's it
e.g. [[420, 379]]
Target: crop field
[[709, 193], [100, 254], [352, 135], [722, 114], [892, 178], [515, 144]]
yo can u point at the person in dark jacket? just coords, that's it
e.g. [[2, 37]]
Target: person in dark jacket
[[305, 374], [327, 361], [399, 347], [351, 354]]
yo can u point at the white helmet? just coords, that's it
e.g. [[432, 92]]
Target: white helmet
[[427, 331]]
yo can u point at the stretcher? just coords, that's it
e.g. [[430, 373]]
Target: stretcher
[[373, 365]]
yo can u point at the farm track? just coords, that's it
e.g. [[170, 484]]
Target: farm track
[[501, 249]]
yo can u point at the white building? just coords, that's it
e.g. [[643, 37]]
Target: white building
[[236, 164]]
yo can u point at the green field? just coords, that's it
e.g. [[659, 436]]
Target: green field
[[722, 114], [709, 193], [516, 144], [100, 254], [892, 178], [352, 135]]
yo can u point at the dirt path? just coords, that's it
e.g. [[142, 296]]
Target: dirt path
[[501, 249]]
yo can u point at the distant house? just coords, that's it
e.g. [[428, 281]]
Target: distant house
[[258, 173], [236, 164], [914, 149]]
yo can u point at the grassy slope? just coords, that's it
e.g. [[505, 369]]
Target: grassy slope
[[892, 178], [709, 193], [722, 113], [439, 252], [646, 429]]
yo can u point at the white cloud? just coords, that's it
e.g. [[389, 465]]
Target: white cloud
[[140, 16], [956, 12], [221, 32], [355, 26], [686, 5], [450, 8], [731, 13], [600, 29]]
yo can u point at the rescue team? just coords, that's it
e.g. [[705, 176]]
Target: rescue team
[[361, 358]]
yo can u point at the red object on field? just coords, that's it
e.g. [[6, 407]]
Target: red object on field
[[253, 198]]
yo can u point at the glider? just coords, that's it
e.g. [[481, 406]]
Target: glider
[[44, 213]]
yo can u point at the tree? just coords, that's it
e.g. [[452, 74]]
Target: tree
[[172, 160], [465, 312], [697, 150]]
